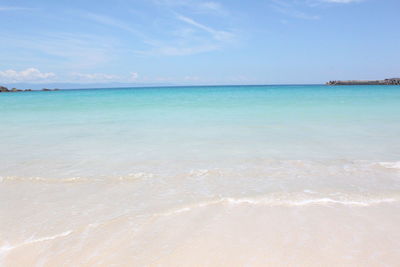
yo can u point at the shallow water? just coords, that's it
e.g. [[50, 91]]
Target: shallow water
[[201, 176]]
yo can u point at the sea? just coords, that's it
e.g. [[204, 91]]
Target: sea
[[288, 175]]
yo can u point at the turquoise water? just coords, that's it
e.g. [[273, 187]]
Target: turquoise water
[[69, 130], [201, 176]]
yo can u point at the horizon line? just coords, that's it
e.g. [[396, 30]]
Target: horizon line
[[173, 86]]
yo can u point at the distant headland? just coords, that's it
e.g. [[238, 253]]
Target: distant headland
[[6, 90], [393, 81]]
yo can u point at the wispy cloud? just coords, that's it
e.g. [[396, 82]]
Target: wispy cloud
[[214, 8], [166, 47], [183, 34], [180, 50], [296, 13], [209, 7], [113, 22], [217, 34], [77, 51], [292, 10], [317, 3], [176, 39], [195, 38]]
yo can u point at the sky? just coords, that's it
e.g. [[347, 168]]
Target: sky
[[193, 42]]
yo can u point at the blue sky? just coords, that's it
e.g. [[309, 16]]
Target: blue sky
[[198, 42]]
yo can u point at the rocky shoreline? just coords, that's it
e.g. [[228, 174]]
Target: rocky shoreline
[[12, 90], [393, 81]]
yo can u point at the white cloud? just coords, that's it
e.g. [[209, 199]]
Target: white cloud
[[134, 76], [95, 77], [28, 75]]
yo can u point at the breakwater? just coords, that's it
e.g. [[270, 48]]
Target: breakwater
[[393, 81]]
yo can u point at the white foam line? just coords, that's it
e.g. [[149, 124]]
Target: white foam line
[[346, 203], [274, 203], [308, 202], [390, 165], [31, 241], [5, 249]]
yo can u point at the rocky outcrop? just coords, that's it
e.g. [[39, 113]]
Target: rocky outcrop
[[6, 90], [393, 81]]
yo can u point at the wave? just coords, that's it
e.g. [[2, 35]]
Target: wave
[[288, 200], [390, 165], [270, 168]]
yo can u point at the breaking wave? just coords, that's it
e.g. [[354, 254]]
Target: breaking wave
[[288, 200], [263, 168]]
